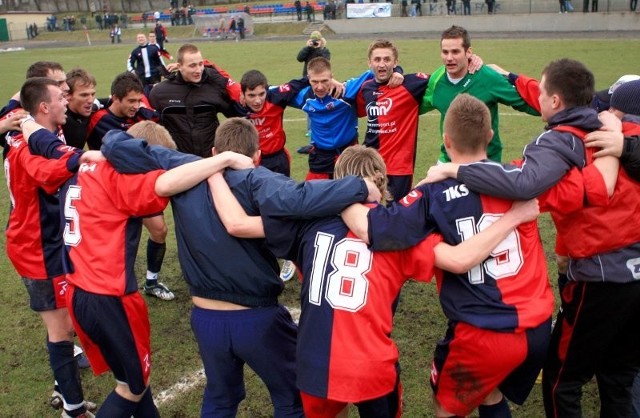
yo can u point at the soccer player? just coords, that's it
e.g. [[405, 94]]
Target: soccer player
[[345, 353], [241, 294], [588, 339], [107, 310], [189, 102], [81, 98], [454, 78], [334, 122], [145, 61], [35, 168], [392, 115], [124, 110]]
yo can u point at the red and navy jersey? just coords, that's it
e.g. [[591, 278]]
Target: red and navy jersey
[[392, 120], [268, 121], [34, 239], [509, 291], [104, 120], [102, 224], [344, 350]]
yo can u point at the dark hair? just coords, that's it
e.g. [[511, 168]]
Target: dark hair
[[237, 135], [571, 80], [79, 77], [252, 79], [455, 32], [125, 83], [35, 91], [42, 68]]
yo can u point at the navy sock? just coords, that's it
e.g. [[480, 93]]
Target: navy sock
[[497, 410], [146, 408], [66, 372], [155, 255], [115, 406]]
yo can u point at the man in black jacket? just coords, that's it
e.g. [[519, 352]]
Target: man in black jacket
[[189, 102]]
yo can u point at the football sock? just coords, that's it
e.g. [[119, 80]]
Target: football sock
[[497, 410], [146, 408], [116, 406], [67, 374], [155, 257]]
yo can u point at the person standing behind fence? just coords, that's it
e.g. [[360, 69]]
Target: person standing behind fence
[[308, 8], [298, 6]]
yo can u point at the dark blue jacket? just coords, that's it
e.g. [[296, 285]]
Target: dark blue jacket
[[215, 264]]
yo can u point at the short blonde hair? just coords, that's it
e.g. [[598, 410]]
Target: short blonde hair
[[153, 133], [364, 162]]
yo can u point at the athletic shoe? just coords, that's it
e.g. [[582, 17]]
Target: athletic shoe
[[306, 149], [287, 271], [55, 400], [159, 290], [83, 361]]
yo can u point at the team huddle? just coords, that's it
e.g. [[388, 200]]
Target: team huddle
[[356, 230]]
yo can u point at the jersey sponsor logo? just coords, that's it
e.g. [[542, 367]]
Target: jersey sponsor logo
[[456, 192], [66, 148], [284, 88], [330, 106], [633, 265], [381, 108], [411, 197], [257, 121], [87, 167], [466, 83], [178, 101]]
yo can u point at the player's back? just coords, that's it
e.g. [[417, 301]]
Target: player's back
[[510, 289], [345, 351]]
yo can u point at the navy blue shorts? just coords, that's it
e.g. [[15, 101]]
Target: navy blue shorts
[[115, 334], [278, 162], [399, 186]]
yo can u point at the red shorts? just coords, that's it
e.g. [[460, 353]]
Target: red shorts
[[388, 406], [111, 329], [318, 176], [469, 363]]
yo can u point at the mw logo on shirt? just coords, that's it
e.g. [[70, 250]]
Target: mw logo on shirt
[[380, 108], [455, 192], [257, 121]]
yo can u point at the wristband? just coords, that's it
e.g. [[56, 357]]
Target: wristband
[[25, 119]]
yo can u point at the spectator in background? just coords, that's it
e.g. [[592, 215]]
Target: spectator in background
[[298, 6], [310, 14], [490, 6], [632, 5], [247, 10], [161, 35], [241, 27], [466, 7], [418, 7], [99, 21], [116, 33], [404, 8], [124, 19]]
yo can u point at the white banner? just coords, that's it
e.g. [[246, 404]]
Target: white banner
[[358, 10]]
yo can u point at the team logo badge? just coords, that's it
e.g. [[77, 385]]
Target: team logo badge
[[408, 200]]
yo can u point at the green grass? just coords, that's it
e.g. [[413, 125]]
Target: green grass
[[25, 381]]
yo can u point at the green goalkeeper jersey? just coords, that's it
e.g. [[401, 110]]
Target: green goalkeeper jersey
[[486, 85]]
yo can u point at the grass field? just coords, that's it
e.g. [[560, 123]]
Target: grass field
[[25, 379]]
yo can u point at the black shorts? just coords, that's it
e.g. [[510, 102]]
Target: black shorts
[[47, 294], [278, 162]]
